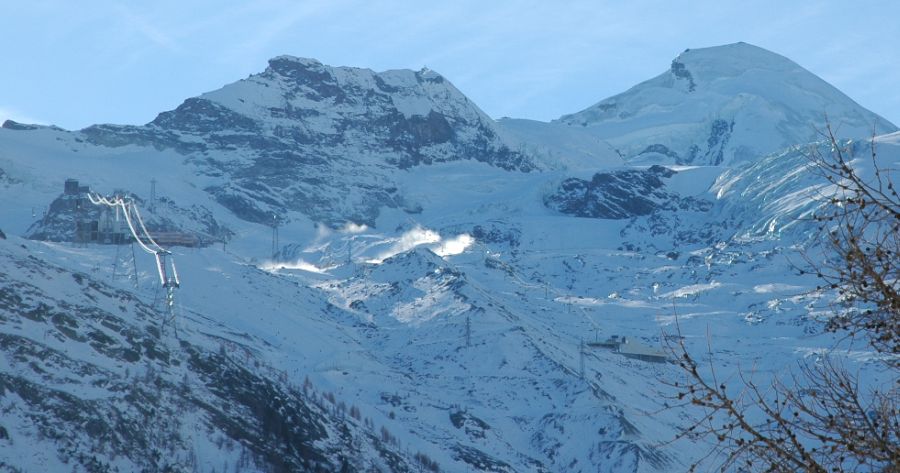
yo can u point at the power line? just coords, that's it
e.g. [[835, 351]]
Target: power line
[[134, 266], [581, 358], [274, 236], [468, 331], [167, 281], [152, 193]]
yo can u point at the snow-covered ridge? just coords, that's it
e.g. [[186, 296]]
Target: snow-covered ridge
[[780, 193], [408, 117], [303, 136], [90, 378], [447, 299], [722, 105]]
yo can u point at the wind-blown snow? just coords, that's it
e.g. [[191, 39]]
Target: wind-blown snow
[[453, 246], [421, 236], [455, 314]]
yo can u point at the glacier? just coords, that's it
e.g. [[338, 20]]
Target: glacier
[[437, 276]]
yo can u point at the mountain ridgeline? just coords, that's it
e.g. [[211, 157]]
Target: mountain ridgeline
[[277, 139], [374, 275], [328, 142], [721, 105]]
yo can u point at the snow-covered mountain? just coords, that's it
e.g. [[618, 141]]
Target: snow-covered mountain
[[433, 295], [273, 142], [720, 105], [91, 381]]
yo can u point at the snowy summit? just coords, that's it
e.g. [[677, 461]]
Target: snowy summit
[[373, 275]]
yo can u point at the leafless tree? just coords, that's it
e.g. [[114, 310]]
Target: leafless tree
[[862, 230], [818, 418]]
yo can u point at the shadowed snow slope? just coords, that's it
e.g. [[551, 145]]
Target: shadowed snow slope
[[426, 300]]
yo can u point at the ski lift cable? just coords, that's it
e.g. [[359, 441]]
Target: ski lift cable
[[159, 253], [174, 272], [144, 228], [98, 200], [134, 232], [119, 202], [161, 268], [126, 206], [104, 200]]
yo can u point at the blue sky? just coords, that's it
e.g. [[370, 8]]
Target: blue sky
[[75, 63]]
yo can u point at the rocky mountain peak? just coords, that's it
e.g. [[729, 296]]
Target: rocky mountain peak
[[288, 62], [308, 137]]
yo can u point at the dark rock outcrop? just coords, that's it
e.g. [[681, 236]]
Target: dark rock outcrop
[[619, 194]]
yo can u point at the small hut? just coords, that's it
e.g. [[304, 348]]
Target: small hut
[[610, 343], [639, 351]]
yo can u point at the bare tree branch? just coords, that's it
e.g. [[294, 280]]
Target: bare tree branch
[[820, 420]]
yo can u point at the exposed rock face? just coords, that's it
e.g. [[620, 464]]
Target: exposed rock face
[[470, 354], [680, 71], [72, 217], [13, 125], [307, 137], [620, 194]]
